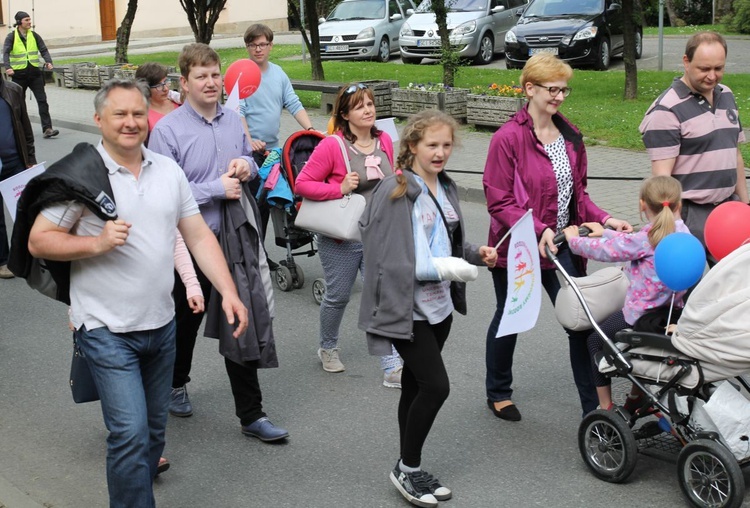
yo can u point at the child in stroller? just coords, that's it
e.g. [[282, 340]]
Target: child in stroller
[[680, 377], [277, 188], [660, 202]]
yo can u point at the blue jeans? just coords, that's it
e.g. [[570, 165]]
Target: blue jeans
[[499, 356], [133, 374]]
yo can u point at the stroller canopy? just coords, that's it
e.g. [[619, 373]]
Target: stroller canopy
[[713, 326]]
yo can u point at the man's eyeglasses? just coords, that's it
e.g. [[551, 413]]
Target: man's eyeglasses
[[555, 90], [354, 88], [163, 85], [262, 45]]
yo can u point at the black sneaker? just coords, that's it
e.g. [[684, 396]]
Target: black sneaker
[[441, 493], [415, 487]]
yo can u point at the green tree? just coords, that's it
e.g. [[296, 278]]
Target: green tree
[[449, 56], [123, 33]]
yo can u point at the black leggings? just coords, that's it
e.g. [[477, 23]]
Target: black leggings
[[610, 327], [424, 386]]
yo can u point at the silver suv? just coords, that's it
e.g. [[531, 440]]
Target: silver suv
[[477, 29]]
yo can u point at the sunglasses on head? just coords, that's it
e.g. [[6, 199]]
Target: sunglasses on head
[[354, 88]]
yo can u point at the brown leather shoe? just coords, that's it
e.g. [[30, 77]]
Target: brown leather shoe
[[50, 132]]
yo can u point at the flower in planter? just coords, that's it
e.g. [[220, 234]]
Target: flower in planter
[[430, 87], [495, 90]]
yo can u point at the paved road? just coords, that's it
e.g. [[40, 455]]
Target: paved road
[[343, 429]]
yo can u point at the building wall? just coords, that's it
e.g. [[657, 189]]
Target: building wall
[[64, 22]]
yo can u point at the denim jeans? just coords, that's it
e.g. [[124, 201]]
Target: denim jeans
[[133, 373], [499, 356]]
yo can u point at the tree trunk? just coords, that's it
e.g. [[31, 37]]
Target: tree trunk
[[313, 44], [202, 16], [723, 7], [630, 30], [123, 33], [449, 57], [669, 4]]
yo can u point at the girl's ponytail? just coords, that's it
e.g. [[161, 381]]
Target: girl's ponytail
[[662, 196]]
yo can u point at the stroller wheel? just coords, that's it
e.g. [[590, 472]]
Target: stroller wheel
[[299, 277], [710, 475], [607, 445], [318, 290], [284, 278]]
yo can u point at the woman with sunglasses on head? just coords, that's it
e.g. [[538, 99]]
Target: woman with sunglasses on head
[[537, 160], [163, 100], [324, 177]]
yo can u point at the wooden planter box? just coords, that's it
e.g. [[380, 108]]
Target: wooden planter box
[[491, 110], [88, 77], [406, 101], [124, 73], [107, 72], [67, 75]]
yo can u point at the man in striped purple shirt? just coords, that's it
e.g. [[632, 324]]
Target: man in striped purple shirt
[[692, 132]]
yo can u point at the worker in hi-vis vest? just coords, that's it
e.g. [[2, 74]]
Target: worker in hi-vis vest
[[21, 52]]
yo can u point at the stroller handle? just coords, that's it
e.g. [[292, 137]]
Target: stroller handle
[[560, 238]]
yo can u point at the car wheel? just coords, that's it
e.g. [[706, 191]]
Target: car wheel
[[384, 50], [638, 45], [603, 56], [486, 50], [411, 60]]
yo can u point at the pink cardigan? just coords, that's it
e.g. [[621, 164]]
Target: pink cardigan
[[320, 179]]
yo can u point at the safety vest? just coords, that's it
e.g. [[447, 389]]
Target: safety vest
[[21, 56]]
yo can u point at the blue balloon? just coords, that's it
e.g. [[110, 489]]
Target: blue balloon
[[679, 260]]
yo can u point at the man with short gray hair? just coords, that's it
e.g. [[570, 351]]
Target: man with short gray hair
[[121, 283]]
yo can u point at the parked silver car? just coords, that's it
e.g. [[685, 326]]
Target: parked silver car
[[477, 29], [363, 29]]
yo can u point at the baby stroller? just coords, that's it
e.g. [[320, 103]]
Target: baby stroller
[[679, 376], [279, 173]]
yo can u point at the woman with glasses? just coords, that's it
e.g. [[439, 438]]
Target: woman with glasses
[[163, 100], [324, 177], [537, 161]]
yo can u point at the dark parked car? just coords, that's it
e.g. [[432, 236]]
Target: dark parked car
[[581, 32]]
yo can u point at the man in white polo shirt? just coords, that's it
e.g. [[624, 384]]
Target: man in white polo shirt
[[121, 280]]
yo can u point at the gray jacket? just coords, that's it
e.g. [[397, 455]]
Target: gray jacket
[[387, 305]]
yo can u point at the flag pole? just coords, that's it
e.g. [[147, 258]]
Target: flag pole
[[507, 234]]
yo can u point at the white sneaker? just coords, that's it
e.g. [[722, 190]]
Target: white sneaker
[[5, 273], [330, 360], [392, 379]]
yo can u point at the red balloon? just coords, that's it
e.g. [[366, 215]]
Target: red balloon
[[727, 227], [244, 73]]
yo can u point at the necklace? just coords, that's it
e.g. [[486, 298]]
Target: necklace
[[362, 145]]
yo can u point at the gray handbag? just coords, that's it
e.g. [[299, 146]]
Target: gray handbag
[[335, 218], [604, 291]]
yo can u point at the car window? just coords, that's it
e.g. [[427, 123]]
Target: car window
[[404, 6], [564, 7], [393, 8], [358, 9], [456, 6], [516, 3]]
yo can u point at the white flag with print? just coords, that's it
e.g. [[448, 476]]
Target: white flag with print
[[524, 280], [233, 99]]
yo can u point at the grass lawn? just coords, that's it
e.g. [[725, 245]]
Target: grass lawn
[[596, 104], [686, 30]]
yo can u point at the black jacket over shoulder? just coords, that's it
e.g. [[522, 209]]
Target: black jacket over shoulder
[[79, 176]]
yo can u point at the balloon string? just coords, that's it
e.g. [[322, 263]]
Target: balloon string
[[669, 315]]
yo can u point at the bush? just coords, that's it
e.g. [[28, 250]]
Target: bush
[[740, 21]]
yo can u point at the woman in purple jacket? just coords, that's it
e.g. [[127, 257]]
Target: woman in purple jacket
[[537, 160]]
